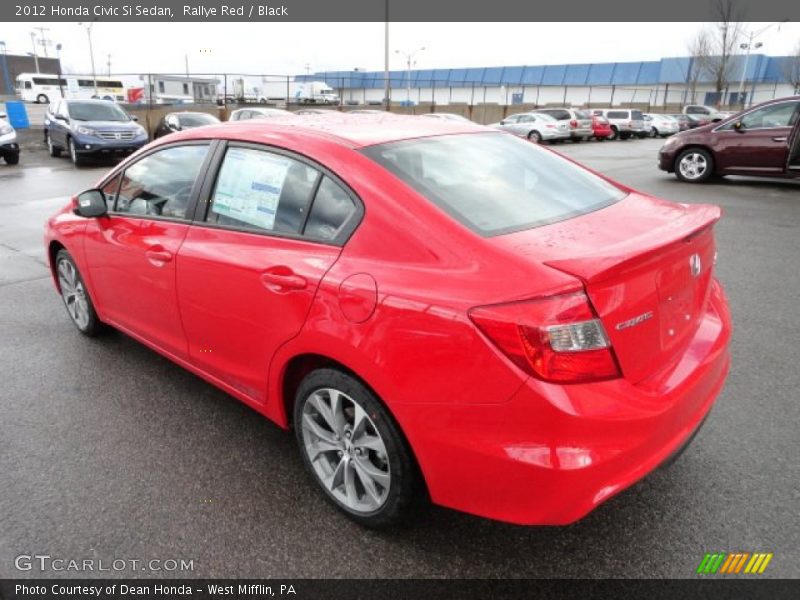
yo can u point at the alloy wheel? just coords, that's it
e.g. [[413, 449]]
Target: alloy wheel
[[73, 293], [345, 450], [693, 165]]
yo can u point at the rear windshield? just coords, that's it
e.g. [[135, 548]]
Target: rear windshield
[[636, 115], [495, 183], [197, 120], [582, 114]]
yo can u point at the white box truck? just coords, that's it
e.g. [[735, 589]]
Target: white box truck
[[298, 92]]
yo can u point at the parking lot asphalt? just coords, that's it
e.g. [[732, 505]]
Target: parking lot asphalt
[[109, 451]]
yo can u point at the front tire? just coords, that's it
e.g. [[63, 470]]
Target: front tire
[[353, 449], [42, 99], [614, 134], [694, 165], [654, 132], [73, 153], [52, 149], [75, 296]]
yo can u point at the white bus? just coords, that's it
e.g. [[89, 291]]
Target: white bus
[[42, 88]]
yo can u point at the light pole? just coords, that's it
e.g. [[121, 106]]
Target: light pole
[[35, 56], [748, 45], [88, 27], [409, 63], [60, 79], [6, 78], [386, 101]]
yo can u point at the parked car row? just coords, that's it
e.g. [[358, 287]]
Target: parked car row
[[559, 124]]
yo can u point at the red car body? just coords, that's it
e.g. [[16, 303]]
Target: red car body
[[601, 128], [417, 306]]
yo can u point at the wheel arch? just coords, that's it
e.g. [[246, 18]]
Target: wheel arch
[[300, 365], [52, 250]]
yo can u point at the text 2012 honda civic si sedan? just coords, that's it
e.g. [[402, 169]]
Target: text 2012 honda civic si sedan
[[433, 307]]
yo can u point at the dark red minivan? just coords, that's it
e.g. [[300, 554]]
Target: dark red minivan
[[763, 140]]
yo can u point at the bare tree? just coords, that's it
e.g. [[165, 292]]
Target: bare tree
[[719, 43], [791, 69], [699, 52]]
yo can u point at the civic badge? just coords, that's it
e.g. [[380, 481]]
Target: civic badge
[[695, 266]]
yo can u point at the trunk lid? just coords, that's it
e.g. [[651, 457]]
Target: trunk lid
[[646, 266]]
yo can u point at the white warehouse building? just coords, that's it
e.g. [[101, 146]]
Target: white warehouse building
[[649, 83]]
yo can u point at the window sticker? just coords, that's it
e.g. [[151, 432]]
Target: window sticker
[[249, 186]]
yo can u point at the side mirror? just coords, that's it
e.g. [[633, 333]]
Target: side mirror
[[61, 118], [173, 123], [134, 118], [3, 115], [503, 122], [91, 204], [738, 126]]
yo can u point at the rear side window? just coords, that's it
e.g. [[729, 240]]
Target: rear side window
[[160, 184], [332, 210], [263, 191], [495, 183], [617, 114]]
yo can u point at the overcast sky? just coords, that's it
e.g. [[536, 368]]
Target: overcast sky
[[286, 48]]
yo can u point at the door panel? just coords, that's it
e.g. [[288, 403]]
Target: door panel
[[132, 269], [241, 296], [761, 144]]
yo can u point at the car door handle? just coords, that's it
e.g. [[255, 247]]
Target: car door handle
[[158, 256], [280, 280], [780, 139]]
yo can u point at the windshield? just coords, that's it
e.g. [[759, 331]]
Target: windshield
[[96, 111], [197, 120], [495, 183]]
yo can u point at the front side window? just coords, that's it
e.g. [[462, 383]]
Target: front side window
[[160, 184], [110, 192], [494, 183], [263, 191], [161, 87], [777, 115]]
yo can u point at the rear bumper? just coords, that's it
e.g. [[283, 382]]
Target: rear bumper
[[580, 133], [552, 454]]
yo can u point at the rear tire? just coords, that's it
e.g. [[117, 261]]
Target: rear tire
[[42, 99], [654, 132], [353, 449], [75, 296], [535, 137], [11, 159], [614, 134]]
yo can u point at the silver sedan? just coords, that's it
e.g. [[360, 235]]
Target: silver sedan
[[537, 127]]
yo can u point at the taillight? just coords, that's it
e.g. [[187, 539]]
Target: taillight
[[557, 339], [573, 123]]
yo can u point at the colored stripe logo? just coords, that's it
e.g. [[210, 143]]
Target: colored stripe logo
[[734, 563]]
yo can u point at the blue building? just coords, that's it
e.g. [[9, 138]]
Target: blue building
[[668, 81]]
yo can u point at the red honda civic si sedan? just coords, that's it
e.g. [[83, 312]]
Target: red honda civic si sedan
[[432, 306]]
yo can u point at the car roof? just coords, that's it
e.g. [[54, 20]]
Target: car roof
[[354, 132]]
